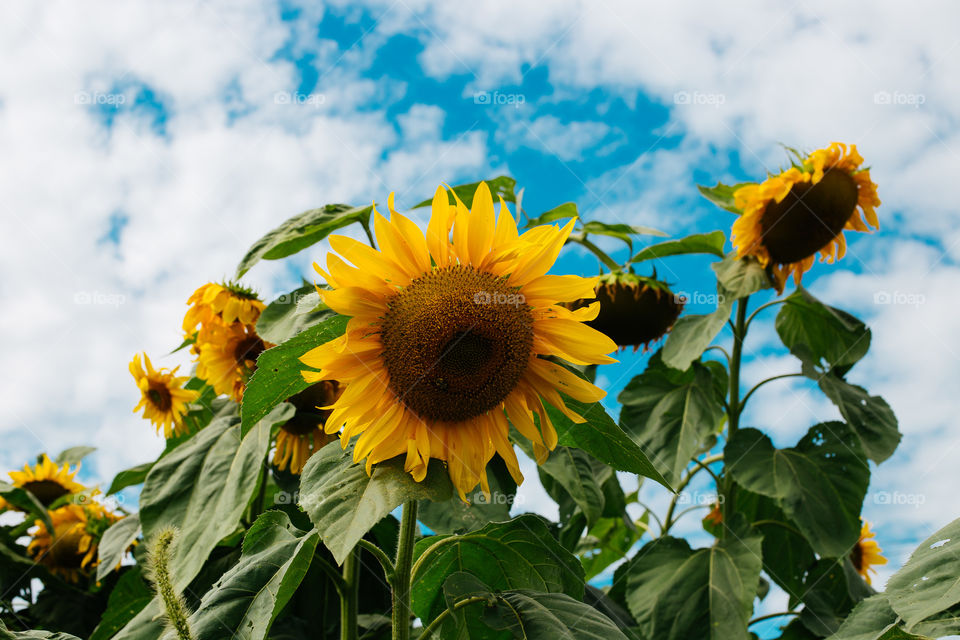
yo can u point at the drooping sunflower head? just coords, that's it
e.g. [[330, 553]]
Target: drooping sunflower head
[[70, 550], [303, 435], [634, 310], [867, 553], [227, 356], [47, 481], [791, 216], [228, 302], [448, 339], [162, 396]]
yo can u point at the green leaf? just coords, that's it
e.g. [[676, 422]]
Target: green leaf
[[624, 232], [871, 619], [344, 503], [276, 556], [871, 417], [675, 592], [531, 615], [456, 516], [25, 501], [278, 375], [929, 582], [518, 554], [501, 186], [285, 317], [301, 231], [115, 543], [5, 634], [829, 334], [826, 595], [710, 243], [740, 277], [562, 212], [722, 195], [679, 421], [602, 438], [73, 455], [127, 598], [581, 476], [692, 334], [820, 483], [130, 477], [610, 540]]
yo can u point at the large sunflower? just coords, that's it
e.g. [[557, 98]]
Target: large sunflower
[[70, 551], [227, 356], [163, 399], [448, 339], [228, 303], [303, 435], [867, 553], [47, 481], [791, 216]]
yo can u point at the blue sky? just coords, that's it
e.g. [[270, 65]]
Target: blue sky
[[148, 146]]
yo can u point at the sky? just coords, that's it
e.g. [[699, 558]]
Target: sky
[[145, 146]]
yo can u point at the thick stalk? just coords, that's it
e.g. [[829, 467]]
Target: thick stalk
[[350, 599], [597, 251], [733, 402], [401, 573]]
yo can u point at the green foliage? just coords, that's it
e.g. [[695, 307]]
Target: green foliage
[[709, 243], [290, 314], [722, 195], [115, 542], [501, 186]]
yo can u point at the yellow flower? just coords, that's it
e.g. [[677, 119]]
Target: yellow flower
[[71, 550], [228, 303], [793, 215], [46, 481], [303, 435], [445, 339], [163, 399], [634, 310], [866, 553], [228, 356]]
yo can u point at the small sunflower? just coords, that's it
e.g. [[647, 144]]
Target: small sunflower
[[867, 553], [303, 435], [791, 216], [228, 303], [70, 551], [164, 400], [715, 517], [634, 310], [47, 481], [227, 356], [445, 339]]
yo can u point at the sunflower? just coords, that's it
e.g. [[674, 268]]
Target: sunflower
[[164, 400], [634, 310], [47, 481], [791, 216], [445, 339], [71, 550], [866, 553], [228, 302], [303, 435], [227, 356]]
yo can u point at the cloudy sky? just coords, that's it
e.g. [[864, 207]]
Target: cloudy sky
[[145, 146]]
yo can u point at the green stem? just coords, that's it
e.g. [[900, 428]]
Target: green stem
[[433, 626], [381, 556], [597, 251], [761, 308], [402, 572], [333, 574], [669, 520], [365, 223], [734, 405], [350, 599], [716, 347], [763, 382], [773, 615]]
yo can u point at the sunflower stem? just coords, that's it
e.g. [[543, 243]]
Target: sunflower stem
[[433, 626], [350, 599], [402, 571], [365, 223], [733, 402], [597, 251]]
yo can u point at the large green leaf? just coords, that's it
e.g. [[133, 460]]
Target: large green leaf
[[740, 278], [671, 424], [531, 615], [675, 592], [561, 212], [74, 455], [6, 634], [501, 186], [278, 375], [827, 595], [287, 316], [130, 477], [829, 334], [247, 599], [128, 598], [710, 243], [581, 476], [301, 231], [115, 543], [692, 334], [602, 438], [456, 516], [344, 502], [819, 484], [25, 501], [606, 542], [518, 554], [930, 580], [722, 195], [870, 416]]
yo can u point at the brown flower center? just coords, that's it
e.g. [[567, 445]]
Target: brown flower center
[[634, 315], [809, 217], [309, 415], [160, 397], [249, 348], [46, 491], [456, 342]]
